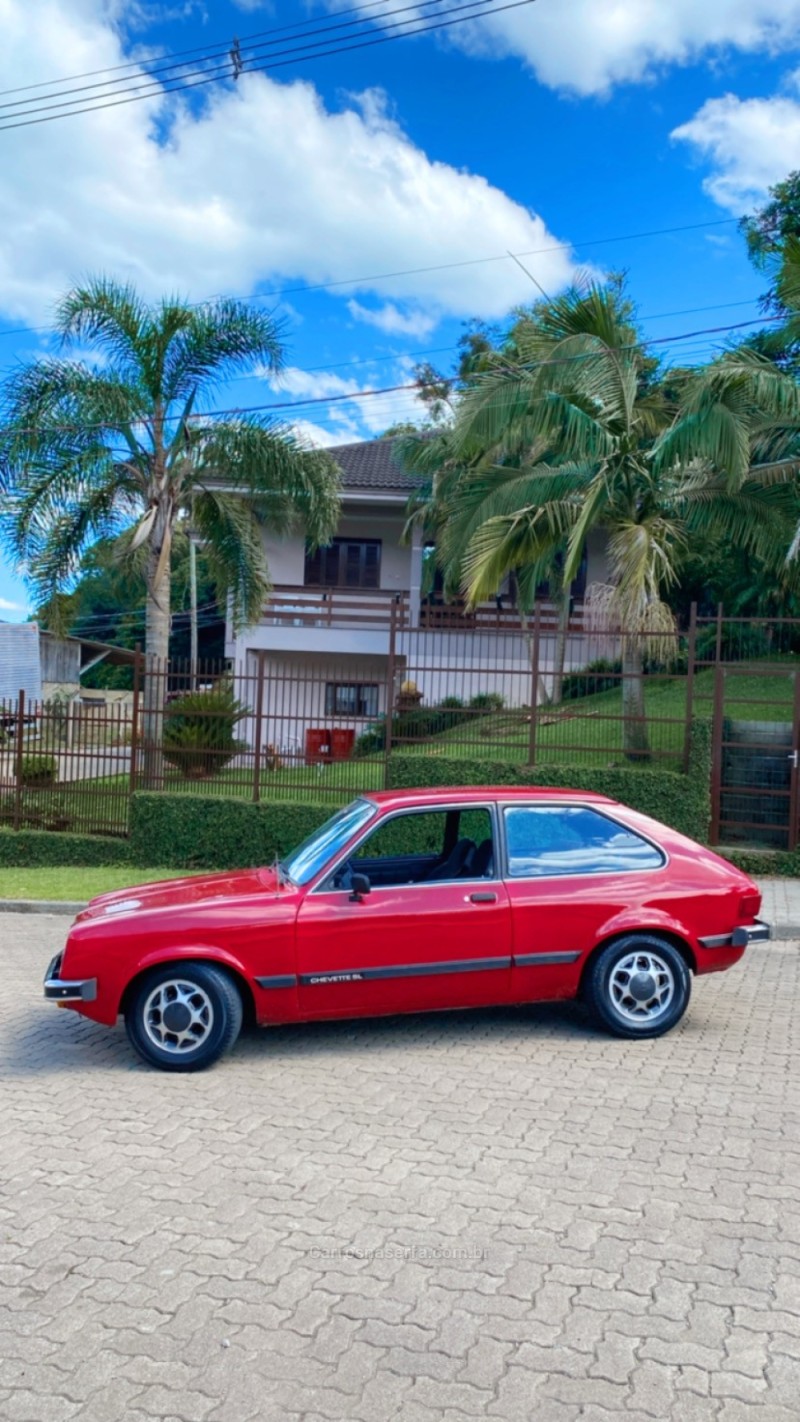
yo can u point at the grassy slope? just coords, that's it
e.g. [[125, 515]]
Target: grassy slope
[[589, 731]]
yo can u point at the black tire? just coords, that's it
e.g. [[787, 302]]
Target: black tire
[[635, 1014], [211, 1012]]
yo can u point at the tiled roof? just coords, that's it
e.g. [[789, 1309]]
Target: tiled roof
[[372, 464]]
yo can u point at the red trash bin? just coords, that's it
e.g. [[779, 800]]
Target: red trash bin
[[342, 743], [318, 746]]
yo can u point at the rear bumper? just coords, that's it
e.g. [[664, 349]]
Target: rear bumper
[[58, 989], [742, 937]]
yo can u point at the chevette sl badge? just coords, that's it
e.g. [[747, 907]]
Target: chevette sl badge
[[337, 978]]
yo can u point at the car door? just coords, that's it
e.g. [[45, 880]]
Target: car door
[[570, 869], [434, 930]]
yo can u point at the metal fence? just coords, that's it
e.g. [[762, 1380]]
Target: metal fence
[[290, 724]]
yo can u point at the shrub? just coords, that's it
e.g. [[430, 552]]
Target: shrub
[[422, 723], [371, 741], [682, 801], [34, 848], [740, 643], [487, 701], [199, 729], [212, 832], [38, 770], [597, 676]]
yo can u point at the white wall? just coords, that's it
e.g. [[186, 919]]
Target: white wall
[[286, 556], [294, 696]]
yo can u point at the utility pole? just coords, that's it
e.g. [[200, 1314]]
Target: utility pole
[[193, 611]]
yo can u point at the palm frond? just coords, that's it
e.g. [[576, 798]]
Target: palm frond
[[113, 316], [204, 344], [234, 551], [530, 539], [287, 484]]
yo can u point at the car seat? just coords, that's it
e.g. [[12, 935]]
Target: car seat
[[481, 864], [452, 866]]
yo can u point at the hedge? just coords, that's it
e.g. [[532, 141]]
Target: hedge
[[29, 849], [765, 863], [210, 832], [679, 800]]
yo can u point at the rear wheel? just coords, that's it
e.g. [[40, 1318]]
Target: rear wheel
[[638, 987], [183, 1016]]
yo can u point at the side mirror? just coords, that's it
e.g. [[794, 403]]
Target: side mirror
[[359, 886]]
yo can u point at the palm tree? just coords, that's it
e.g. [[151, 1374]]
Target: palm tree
[[128, 443], [572, 438]]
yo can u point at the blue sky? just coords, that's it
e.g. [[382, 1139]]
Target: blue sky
[[563, 122]]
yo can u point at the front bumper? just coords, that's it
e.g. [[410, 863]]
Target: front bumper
[[742, 937], [58, 989]]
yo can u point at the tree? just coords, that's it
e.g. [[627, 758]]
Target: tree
[[90, 450], [576, 436], [107, 604], [767, 230]]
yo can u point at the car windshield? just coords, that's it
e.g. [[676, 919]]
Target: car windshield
[[324, 843]]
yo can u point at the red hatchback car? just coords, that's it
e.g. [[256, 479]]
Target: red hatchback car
[[416, 901]]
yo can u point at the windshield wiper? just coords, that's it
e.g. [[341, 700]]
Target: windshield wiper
[[280, 874]]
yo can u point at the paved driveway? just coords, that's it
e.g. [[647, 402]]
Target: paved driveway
[[494, 1215]]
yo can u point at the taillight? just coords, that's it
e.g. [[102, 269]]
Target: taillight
[[749, 906]]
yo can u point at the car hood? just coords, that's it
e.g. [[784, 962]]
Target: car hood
[[193, 891]]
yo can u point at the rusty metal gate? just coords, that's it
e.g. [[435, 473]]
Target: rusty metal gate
[[755, 780]]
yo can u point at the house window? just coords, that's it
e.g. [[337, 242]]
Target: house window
[[351, 699], [345, 563]]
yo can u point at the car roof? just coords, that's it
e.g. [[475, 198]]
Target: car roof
[[436, 794]]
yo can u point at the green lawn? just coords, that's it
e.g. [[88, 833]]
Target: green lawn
[[100, 806], [588, 731], [76, 883]]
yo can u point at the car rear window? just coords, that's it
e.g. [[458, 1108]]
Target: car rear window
[[546, 840]]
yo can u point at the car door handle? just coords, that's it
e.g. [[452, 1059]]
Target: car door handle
[[483, 898]]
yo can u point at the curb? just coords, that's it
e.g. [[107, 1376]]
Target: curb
[[63, 906]]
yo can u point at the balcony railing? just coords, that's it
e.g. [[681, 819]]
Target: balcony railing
[[377, 608], [490, 617], [336, 607]]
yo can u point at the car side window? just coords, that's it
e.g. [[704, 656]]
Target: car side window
[[547, 840], [424, 847]]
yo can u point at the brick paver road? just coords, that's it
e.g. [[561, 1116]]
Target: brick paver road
[[497, 1215]]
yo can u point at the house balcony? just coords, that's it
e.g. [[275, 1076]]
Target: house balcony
[[373, 610], [380, 609]]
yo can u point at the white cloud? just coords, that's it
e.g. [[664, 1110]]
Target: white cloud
[[749, 143], [263, 186], [6, 606], [361, 409], [311, 383], [392, 320], [317, 435], [589, 46]]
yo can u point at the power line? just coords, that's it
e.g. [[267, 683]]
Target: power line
[[361, 281], [480, 7], [310, 26], [352, 396], [139, 64]]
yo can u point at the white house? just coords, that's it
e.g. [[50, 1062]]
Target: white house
[[347, 625]]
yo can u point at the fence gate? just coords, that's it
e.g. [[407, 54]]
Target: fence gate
[[755, 783]]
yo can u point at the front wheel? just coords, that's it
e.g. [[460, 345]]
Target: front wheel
[[183, 1016], [638, 987]]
